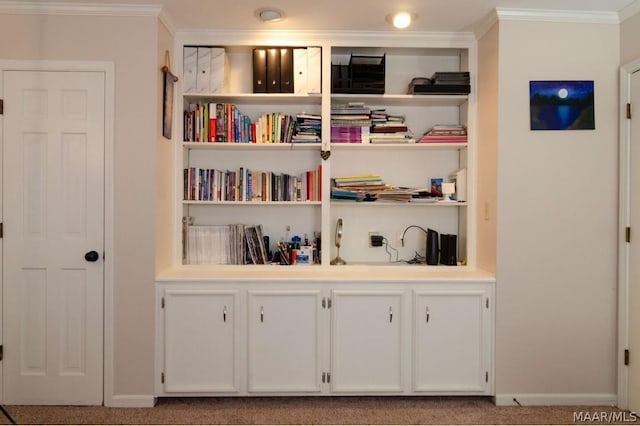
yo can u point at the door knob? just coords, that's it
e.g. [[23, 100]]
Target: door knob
[[91, 256]]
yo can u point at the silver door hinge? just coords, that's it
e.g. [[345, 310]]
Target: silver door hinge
[[626, 356], [627, 234], [629, 111], [161, 377]]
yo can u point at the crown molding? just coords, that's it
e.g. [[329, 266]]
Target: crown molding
[[484, 25], [544, 15], [83, 9], [629, 11], [166, 20]]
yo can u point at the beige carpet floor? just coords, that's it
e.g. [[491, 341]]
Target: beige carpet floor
[[315, 410]]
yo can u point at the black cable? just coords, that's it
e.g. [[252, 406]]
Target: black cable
[[7, 415], [409, 227]]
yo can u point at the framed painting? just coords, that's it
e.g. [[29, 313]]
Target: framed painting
[[562, 105]]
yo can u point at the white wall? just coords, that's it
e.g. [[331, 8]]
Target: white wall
[[557, 219], [165, 159], [488, 79], [131, 44], [629, 36]]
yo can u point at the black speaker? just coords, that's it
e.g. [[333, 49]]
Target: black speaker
[[433, 249], [449, 249]]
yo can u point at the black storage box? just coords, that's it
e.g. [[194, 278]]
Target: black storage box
[[367, 74], [340, 79], [363, 75]]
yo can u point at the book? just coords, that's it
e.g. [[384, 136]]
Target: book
[[286, 70], [300, 76], [314, 69], [259, 70], [273, 70], [189, 69], [203, 83]]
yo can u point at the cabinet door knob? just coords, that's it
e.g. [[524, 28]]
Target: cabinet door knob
[[224, 314], [261, 313], [390, 314], [427, 312]]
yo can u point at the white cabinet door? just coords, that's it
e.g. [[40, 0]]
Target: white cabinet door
[[366, 341], [450, 341], [284, 341], [200, 340]]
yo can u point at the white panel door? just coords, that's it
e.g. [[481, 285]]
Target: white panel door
[[634, 249], [449, 341], [200, 340], [366, 341], [53, 201], [284, 341]]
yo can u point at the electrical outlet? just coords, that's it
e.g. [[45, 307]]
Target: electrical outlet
[[370, 239], [376, 240]]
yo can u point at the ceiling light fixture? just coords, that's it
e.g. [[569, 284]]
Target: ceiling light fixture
[[270, 14], [401, 19]]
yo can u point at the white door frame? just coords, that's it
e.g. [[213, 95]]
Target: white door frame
[[623, 221], [108, 69]]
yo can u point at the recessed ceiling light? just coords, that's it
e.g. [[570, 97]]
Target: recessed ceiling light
[[401, 19], [270, 14]]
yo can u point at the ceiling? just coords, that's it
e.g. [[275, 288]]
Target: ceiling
[[350, 15]]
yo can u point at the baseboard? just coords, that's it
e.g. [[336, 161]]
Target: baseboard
[[593, 399], [130, 401]]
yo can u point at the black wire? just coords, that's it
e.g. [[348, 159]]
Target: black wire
[[7, 415]]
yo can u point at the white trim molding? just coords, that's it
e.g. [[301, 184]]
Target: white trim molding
[[131, 401], [629, 11], [338, 38], [624, 219], [84, 9], [544, 15], [528, 399]]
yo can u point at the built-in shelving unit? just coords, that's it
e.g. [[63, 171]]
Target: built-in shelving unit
[[377, 326], [404, 165]]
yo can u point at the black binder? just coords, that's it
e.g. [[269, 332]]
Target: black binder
[[286, 70], [273, 70], [259, 71]]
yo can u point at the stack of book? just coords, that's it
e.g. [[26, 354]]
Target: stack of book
[[350, 123], [308, 128], [216, 244], [445, 133], [444, 83], [386, 128], [357, 188], [275, 127], [243, 184], [216, 122]]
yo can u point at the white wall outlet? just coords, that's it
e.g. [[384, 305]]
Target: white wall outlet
[[371, 233]]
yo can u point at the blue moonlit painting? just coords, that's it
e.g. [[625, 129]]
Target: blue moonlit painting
[[561, 105]]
